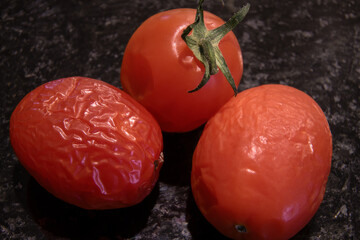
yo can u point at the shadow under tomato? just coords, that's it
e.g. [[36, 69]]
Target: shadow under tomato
[[198, 226], [178, 152], [61, 219]]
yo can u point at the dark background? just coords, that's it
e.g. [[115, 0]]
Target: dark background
[[313, 45]]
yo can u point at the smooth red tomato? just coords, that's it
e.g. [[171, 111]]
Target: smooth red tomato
[[159, 69], [261, 165], [88, 143]]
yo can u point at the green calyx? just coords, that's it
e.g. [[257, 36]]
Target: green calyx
[[204, 44]]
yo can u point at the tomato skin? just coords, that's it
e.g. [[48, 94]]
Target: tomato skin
[[159, 69], [87, 142], [262, 163]]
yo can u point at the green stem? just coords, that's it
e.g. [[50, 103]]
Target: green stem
[[204, 44]]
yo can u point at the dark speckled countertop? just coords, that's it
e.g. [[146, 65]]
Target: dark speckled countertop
[[313, 45]]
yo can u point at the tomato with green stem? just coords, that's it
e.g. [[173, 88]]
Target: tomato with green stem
[[262, 162], [170, 55]]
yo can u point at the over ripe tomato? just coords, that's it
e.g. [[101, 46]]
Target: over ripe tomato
[[262, 163], [159, 69], [88, 143]]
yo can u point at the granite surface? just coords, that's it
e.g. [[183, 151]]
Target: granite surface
[[313, 45]]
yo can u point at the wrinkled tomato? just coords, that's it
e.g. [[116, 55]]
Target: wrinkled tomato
[[159, 70], [88, 143], [261, 165]]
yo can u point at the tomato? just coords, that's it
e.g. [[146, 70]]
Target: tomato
[[159, 70], [262, 162], [88, 143]]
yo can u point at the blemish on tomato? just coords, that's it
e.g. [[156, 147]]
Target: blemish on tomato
[[240, 228]]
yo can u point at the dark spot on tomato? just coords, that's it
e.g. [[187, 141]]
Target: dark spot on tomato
[[240, 228]]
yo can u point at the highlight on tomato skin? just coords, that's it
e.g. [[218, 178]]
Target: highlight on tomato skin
[[88, 143], [261, 165]]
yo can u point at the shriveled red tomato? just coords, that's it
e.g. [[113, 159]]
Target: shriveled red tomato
[[159, 70], [261, 165], [88, 143]]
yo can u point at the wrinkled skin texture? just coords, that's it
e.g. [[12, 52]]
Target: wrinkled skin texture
[[159, 69], [262, 163], [88, 143]]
